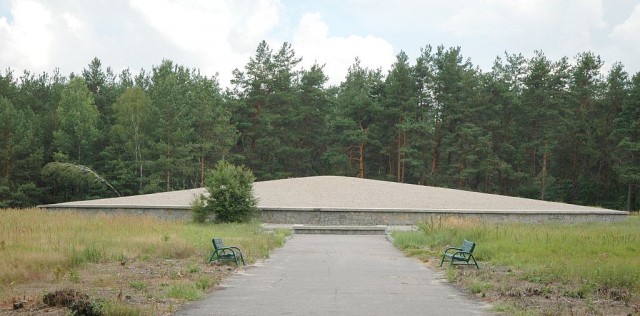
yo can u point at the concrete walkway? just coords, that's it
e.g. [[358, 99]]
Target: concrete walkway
[[337, 275]]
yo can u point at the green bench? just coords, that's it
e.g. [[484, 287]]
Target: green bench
[[462, 255], [225, 253]]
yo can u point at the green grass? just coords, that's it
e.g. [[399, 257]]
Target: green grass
[[41, 245], [185, 291], [112, 308], [139, 285], [598, 255]]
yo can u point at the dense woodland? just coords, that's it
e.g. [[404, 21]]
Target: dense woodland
[[562, 130]]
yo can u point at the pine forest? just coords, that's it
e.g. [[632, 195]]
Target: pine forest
[[564, 130]]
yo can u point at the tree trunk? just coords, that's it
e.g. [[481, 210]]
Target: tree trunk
[[361, 151], [400, 145], [602, 177], [631, 198], [543, 175], [202, 171], [461, 167], [140, 180], [435, 158], [168, 169], [401, 162], [7, 161], [574, 177], [392, 165], [533, 162]]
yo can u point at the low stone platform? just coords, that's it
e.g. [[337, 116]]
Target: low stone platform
[[340, 230], [338, 201]]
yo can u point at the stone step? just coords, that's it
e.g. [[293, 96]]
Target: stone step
[[340, 230]]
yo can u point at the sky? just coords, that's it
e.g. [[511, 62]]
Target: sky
[[217, 36]]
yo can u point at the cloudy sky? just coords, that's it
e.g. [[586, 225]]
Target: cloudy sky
[[217, 36]]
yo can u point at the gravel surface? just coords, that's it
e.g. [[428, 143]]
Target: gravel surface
[[335, 192]]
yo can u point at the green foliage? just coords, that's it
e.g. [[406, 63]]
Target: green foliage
[[90, 254], [200, 211], [600, 253], [230, 195], [19, 155], [115, 308], [77, 117], [267, 107], [132, 127], [74, 239], [559, 130], [139, 285], [477, 287], [185, 291], [204, 284], [74, 276]]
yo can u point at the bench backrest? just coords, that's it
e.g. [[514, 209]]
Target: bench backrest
[[217, 243], [468, 246]]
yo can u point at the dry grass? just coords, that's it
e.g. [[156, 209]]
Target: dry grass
[[588, 267], [42, 250]]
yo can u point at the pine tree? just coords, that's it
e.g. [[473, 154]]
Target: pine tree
[[308, 122], [541, 122], [77, 118], [19, 154], [616, 91], [214, 133], [584, 89], [399, 103], [265, 96], [358, 106], [131, 132], [173, 129], [627, 130], [503, 88]]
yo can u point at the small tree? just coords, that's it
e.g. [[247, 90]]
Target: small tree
[[230, 195]]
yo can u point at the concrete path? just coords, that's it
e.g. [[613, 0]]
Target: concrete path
[[337, 275]]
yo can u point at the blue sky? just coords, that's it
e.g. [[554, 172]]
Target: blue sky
[[217, 36]]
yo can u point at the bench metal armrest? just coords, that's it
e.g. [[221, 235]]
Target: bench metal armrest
[[223, 250], [452, 248], [236, 248], [462, 252]]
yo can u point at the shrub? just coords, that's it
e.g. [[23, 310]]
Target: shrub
[[199, 210], [184, 291], [230, 196]]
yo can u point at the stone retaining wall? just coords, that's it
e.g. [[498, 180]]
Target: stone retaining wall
[[412, 217], [370, 216]]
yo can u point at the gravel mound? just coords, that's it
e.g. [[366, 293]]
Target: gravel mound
[[333, 192]]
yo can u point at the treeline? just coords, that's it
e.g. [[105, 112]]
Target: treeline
[[563, 130]]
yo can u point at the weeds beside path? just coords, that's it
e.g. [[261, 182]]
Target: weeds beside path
[[541, 269], [120, 264]]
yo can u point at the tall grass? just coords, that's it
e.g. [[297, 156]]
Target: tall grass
[[41, 245], [604, 255]]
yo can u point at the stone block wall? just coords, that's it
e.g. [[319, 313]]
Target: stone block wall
[[371, 217]]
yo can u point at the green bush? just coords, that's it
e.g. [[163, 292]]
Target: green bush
[[230, 196], [199, 210]]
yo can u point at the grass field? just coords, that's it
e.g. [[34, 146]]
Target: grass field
[[588, 268], [154, 264]]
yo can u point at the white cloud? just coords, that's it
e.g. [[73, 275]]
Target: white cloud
[[627, 33], [485, 29], [27, 39], [74, 24], [219, 35], [558, 28], [313, 42]]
